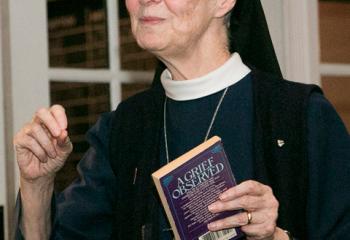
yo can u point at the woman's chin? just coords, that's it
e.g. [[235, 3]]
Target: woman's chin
[[152, 45]]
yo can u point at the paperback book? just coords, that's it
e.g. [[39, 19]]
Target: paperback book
[[189, 184]]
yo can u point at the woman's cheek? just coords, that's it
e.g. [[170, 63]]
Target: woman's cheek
[[178, 8], [132, 6]]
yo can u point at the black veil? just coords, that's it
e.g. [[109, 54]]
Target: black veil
[[250, 37]]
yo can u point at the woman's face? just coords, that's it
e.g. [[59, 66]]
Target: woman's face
[[165, 27]]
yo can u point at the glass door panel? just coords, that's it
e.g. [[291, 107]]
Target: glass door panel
[[84, 102], [132, 57], [77, 33], [82, 43]]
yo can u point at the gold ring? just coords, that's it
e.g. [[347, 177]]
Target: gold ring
[[249, 217]]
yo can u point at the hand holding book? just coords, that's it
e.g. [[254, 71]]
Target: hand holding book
[[203, 202], [253, 197], [188, 184]]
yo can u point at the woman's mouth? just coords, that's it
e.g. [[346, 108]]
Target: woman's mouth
[[151, 20]]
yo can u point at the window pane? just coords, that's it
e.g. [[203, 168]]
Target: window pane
[[131, 55], [335, 31], [337, 90], [78, 33], [84, 102]]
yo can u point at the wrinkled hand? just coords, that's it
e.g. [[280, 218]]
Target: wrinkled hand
[[253, 197], [42, 146]]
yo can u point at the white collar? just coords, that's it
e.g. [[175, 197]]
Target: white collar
[[226, 75]]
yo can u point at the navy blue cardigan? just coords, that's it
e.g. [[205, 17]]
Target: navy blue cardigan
[[280, 112]]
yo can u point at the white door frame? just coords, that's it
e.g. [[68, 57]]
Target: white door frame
[[2, 123], [25, 82]]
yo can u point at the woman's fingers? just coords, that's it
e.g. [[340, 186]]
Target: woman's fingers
[[44, 140], [60, 115], [246, 188], [253, 197], [48, 129], [44, 117], [54, 123], [54, 119], [237, 220], [242, 219], [63, 138], [247, 202], [260, 225], [29, 143], [38, 132], [249, 195], [64, 143]]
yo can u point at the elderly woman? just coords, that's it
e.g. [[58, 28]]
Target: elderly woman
[[287, 147]]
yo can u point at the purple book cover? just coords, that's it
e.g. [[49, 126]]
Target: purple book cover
[[190, 188]]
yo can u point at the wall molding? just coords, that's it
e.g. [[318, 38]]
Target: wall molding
[[335, 69]]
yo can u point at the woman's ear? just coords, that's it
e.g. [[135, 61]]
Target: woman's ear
[[224, 6]]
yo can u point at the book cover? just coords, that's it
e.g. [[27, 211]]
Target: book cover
[[189, 184]]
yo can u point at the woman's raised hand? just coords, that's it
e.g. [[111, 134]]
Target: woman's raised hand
[[258, 220], [42, 146]]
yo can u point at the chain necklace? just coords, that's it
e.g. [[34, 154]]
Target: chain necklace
[[209, 128]]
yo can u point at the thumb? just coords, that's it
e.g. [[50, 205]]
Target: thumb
[[63, 142]]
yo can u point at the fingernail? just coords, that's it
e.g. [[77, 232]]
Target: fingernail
[[211, 226], [223, 196], [212, 207]]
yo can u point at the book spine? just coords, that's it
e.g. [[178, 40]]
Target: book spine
[[166, 208]]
